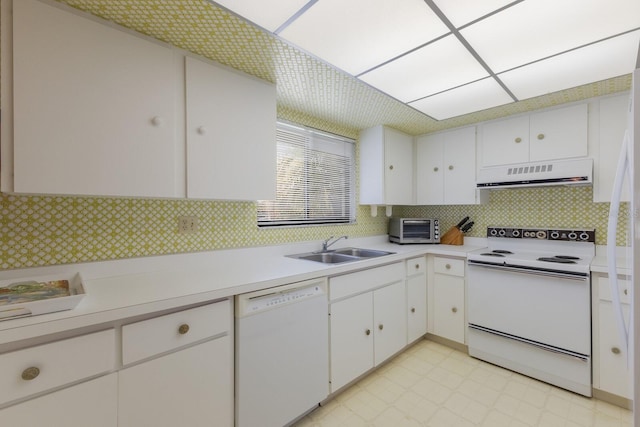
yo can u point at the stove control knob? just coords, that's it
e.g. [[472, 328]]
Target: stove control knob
[[555, 234], [541, 234], [493, 232], [515, 233], [572, 236], [584, 236], [502, 232]]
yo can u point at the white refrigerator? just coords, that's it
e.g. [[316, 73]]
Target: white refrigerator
[[629, 169]]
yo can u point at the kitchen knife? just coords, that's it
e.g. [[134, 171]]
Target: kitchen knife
[[461, 223], [467, 227]]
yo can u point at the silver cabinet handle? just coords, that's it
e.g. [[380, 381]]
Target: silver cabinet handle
[[518, 140], [541, 136]]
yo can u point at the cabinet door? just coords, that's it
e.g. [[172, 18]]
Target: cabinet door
[[448, 316], [612, 125], [231, 134], [191, 387], [398, 168], [94, 107], [351, 339], [505, 141], [390, 321], [615, 377], [429, 171], [93, 403], [558, 134], [460, 167], [416, 306]]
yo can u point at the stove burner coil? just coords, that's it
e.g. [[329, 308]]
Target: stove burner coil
[[493, 254], [567, 257], [557, 260], [502, 251]]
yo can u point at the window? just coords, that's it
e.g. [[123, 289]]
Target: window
[[316, 179]]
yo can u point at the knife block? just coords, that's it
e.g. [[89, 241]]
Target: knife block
[[453, 237]]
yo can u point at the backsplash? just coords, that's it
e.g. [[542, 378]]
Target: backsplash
[[48, 230], [550, 207]]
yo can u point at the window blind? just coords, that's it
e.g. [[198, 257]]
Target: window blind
[[315, 179]]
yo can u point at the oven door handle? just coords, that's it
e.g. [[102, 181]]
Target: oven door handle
[[523, 270], [541, 346]]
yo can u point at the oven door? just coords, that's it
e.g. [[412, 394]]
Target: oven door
[[543, 307]]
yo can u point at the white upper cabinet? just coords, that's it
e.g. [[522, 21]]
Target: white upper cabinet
[[549, 135], [446, 168], [386, 167], [505, 141], [93, 108], [231, 134], [612, 118]]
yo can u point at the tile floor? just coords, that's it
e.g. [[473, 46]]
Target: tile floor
[[433, 385]]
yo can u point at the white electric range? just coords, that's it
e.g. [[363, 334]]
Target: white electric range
[[529, 303]]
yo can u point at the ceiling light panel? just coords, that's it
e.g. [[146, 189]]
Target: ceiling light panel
[[357, 35], [438, 66], [473, 97], [269, 14], [533, 30], [599, 61], [461, 12]]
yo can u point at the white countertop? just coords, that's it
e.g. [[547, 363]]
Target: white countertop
[[125, 288]]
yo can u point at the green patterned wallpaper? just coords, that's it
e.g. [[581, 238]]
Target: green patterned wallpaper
[[39, 230], [551, 207]]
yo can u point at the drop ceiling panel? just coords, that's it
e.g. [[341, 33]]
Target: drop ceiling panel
[[269, 14], [461, 12], [480, 95], [599, 61], [357, 35], [439, 66], [533, 30]]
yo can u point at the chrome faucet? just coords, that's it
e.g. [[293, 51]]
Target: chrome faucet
[[327, 243]]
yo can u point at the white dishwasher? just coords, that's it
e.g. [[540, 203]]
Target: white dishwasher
[[282, 353]]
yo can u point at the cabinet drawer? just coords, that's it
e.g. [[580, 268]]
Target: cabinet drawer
[[450, 266], [362, 281], [165, 333], [36, 369], [604, 289], [416, 266]]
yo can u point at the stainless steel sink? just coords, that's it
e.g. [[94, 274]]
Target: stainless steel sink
[[341, 255], [362, 253]]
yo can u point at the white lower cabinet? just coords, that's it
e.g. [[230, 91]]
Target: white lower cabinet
[[416, 298], [92, 403], [611, 373], [192, 386], [447, 298], [368, 321]]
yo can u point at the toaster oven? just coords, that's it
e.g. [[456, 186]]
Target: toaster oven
[[414, 230]]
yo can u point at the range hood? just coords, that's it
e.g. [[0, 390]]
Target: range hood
[[537, 174]]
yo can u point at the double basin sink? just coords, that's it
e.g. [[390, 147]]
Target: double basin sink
[[338, 256]]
